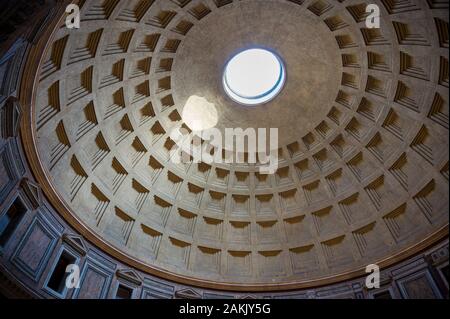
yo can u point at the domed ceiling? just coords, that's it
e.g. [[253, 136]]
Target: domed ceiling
[[363, 137]]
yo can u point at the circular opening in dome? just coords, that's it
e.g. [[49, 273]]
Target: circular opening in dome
[[254, 76]]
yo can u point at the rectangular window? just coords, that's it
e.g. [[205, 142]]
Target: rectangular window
[[382, 295], [10, 221], [124, 292], [57, 280], [445, 273]]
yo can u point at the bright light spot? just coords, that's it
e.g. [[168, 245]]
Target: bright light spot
[[254, 76], [199, 114]]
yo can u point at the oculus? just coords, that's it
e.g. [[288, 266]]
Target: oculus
[[254, 76]]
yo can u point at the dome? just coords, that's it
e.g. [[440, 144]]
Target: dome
[[361, 115]]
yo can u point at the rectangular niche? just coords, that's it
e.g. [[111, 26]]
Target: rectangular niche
[[183, 222], [153, 289], [342, 145], [98, 150], [139, 194], [338, 181], [210, 228], [400, 223], [382, 194], [382, 147], [419, 286], [95, 280], [59, 143], [268, 232], [220, 177], [112, 104], [303, 259], [239, 263], [8, 174], [241, 180], [112, 172], [294, 149], [148, 241], [216, 202], [326, 221], [283, 176], [208, 259], [202, 171], [156, 132], [384, 294], [97, 205], [192, 194], [170, 184], [122, 129], [175, 252], [239, 232], [289, 200], [56, 280], [79, 86], [262, 180], [304, 169], [406, 172], [135, 152], [120, 226], [297, 230], [361, 166], [10, 220], [337, 251], [160, 210], [51, 101], [265, 204], [354, 209], [271, 263], [124, 292], [315, 192], [35, 248], [240, 204], [429, 200], [369, 240], [155, 168], [186, 161]]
